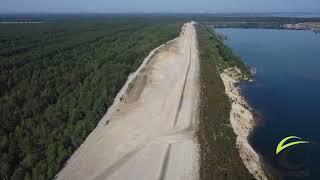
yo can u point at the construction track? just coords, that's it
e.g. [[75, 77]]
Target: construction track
[[149, 132]]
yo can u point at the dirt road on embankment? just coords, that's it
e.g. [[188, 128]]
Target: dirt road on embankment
[[149, 131]]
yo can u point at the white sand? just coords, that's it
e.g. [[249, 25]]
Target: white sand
[[150, 131], [242, 122]]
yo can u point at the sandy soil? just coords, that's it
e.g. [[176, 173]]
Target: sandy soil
[[312, 26], [242, 122], [148, 133]]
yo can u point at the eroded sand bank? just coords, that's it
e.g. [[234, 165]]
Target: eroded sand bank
[[242, 122], [148, 133]]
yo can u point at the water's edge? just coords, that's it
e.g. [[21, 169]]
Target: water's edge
[[242, 122]]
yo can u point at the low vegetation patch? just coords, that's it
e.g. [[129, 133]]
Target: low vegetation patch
[[219, 155]]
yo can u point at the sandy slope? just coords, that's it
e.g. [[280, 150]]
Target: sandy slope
[[242, 122], [151, 125]]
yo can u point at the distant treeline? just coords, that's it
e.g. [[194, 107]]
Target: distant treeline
[[255, 22], [57, 80], [257, 25], [200, 17], [217, 20]]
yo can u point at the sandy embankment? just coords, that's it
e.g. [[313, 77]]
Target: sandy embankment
[[148, 133], [242, 122]]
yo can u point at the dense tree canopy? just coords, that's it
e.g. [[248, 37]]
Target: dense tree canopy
[[57, 80]]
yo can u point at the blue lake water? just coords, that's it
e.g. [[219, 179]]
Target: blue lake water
[[285, 96]]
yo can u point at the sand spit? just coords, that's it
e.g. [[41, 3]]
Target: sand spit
[[149, 131], [242, 122]]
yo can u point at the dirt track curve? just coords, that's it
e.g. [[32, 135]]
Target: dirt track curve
[[149, 132]]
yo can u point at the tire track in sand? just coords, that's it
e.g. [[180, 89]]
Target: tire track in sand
[[152, 136]]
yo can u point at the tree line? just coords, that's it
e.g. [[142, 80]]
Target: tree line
[[58, 79]]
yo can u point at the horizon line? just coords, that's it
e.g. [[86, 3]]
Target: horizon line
[[168, 12]]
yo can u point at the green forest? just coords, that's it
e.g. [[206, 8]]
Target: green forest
[[57, 81]]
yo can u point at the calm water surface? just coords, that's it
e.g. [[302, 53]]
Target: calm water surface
[[285, 95]]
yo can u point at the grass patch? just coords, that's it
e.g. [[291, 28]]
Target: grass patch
[[225, 57], [218, 152]]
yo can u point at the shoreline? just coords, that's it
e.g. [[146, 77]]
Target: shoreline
[[309, 26], [242, 122]]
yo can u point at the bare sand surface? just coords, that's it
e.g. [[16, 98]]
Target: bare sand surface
[[149, 131], [242, 122]]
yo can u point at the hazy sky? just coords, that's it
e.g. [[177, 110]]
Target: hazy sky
[[159, 5]]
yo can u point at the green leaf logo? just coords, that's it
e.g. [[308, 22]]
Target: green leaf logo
[[281, 147]]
